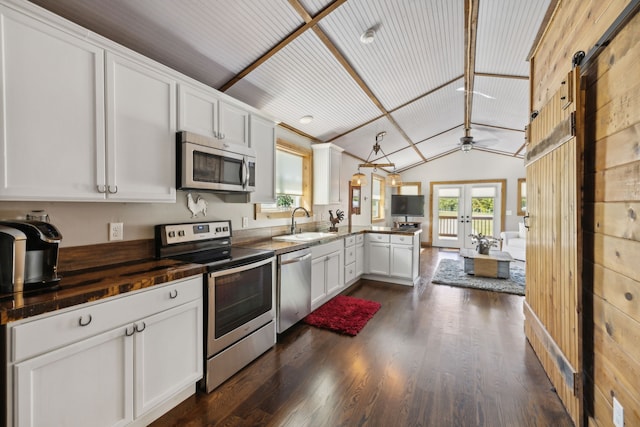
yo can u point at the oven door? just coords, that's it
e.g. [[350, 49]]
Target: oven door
[[208, 168], [241, 300]]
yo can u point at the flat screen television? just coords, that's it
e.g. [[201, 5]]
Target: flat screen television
[[406, 205]]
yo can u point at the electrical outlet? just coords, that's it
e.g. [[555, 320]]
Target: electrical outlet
[[618, 413], [116, 231], [245, 222]]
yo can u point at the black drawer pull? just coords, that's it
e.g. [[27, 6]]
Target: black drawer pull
[[173, 294], [82, 323]]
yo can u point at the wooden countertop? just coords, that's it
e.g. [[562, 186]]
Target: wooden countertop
[[94, 284]]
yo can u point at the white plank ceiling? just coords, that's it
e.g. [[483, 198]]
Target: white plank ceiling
[[409, 82]]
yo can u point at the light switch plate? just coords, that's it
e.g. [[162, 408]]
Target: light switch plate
[[245, 222]]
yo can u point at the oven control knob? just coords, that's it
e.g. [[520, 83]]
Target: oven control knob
[[218, 229], [225, 228], [172, 234], [181, 233]]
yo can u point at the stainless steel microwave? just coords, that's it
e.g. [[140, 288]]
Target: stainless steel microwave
[[206, 163]]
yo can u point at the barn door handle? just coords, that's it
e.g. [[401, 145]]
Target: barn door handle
[[525, 220]]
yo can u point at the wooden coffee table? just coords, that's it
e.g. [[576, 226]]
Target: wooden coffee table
[[496, 264]]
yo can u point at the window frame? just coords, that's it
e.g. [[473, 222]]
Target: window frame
[[307, 182], [382, 202], [411, 184]]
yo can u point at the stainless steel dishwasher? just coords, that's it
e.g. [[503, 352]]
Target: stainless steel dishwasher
[[294, 288]]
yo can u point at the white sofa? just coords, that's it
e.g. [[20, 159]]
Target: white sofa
[[515, 242]]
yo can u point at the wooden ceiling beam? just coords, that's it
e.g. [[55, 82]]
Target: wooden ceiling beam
[[471, 10], [291, 37]]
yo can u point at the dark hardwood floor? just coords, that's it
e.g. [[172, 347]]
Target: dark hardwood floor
[[433, 355]]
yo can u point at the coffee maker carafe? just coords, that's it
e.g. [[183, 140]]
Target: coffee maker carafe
[[39, 255]]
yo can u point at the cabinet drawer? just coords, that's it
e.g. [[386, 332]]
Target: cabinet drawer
[[359, 238], [349, 272], [349, 241], [402, 240], [57, 330], [349, 255], [326, 249], [377, 237]]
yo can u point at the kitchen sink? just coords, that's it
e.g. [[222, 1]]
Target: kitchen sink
[[305, 237]]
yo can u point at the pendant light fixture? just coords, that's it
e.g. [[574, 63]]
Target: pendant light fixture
[[393, 179]]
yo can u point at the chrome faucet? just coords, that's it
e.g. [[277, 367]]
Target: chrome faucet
[[293, 223]]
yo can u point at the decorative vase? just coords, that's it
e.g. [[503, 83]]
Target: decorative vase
[[483, 247]]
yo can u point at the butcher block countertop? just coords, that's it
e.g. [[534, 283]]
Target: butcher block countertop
[[94, 284]]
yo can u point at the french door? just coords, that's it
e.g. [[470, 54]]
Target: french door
[[461, 209]]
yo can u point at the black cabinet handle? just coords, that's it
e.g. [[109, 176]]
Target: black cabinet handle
[[83, 323], [144, 326], [173, 294], [133, 331]]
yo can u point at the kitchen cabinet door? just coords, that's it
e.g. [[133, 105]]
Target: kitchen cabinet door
[[379, 258], [318, 281], [401, 261], [168, 355], [141, 127], [233, 123], [52, 146], [333, 267], [197, 111], [327, 160], [89, 383], [263, 141], [360, 259]]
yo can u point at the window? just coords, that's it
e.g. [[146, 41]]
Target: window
[[293, 182], [410, 188], [522, 197], [377, 198]]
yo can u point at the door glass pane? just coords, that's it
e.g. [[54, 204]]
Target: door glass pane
[[448, 210], [483, 208]]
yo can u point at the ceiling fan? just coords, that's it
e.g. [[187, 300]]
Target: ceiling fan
[[467, 142]]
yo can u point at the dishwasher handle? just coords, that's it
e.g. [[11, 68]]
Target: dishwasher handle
[[294, 260]]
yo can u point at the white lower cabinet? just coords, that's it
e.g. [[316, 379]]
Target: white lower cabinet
[[124, 361], [393, 258], [327, 272], [360, 261], [401, 257]]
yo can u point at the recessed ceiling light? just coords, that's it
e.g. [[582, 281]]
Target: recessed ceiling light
[[368, 36], [306, 119]]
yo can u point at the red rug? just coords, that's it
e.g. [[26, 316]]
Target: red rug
[[343, 314]]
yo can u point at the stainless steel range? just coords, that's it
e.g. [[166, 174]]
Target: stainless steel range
[[239, 294]]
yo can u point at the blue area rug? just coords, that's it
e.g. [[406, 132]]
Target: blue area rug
[[450, 272]]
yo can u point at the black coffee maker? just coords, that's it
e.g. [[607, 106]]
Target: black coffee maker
[[37, 260]]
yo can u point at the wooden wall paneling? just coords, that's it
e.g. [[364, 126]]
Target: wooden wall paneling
[[619, 255], [576, 25], [615, 219]]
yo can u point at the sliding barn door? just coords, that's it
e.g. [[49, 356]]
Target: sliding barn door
[[553, 301]]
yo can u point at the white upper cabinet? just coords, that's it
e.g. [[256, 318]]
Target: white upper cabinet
[[197, 111], [52, 114], [263, 141], [327, 159], [202, 112], [233, 122], [141, 129], [78, 126]]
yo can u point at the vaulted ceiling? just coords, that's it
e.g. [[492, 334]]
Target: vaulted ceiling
[[435, 70]]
